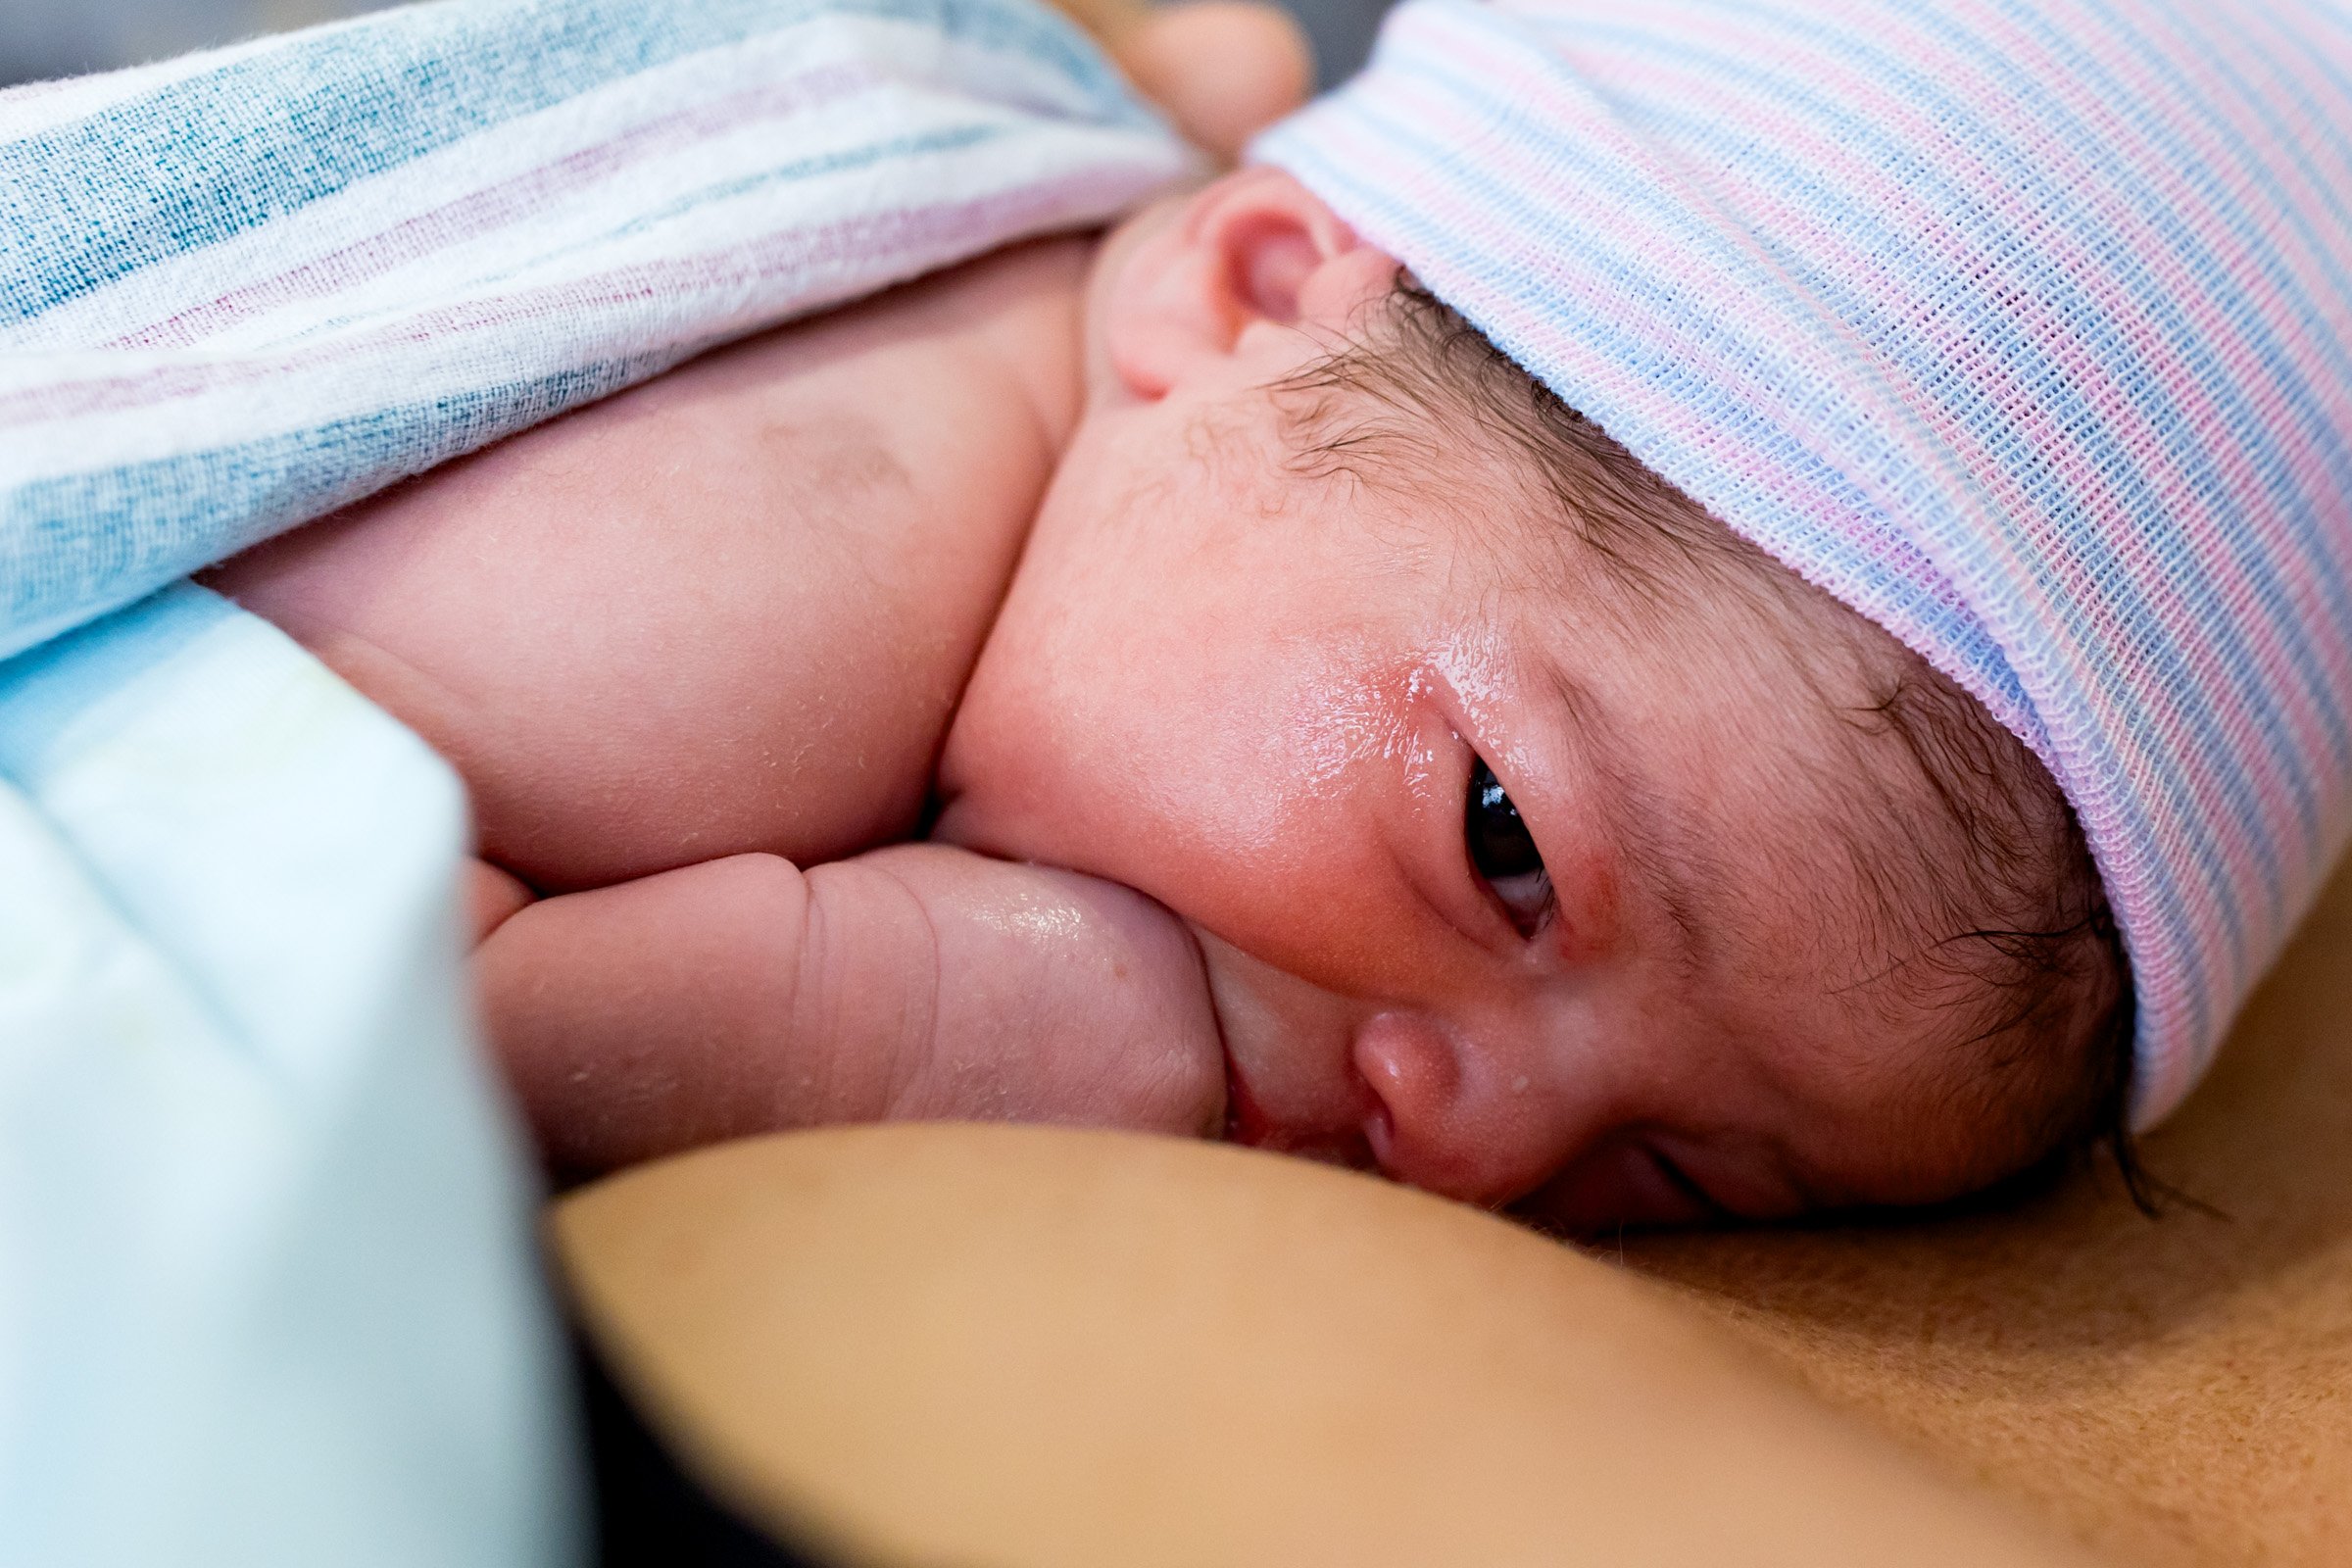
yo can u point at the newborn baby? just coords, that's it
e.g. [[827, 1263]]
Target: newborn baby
[[1322, 731]]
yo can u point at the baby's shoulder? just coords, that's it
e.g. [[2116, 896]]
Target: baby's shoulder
[[983, 358], [726, 610]]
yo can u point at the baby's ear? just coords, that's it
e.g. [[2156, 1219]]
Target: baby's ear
[[1254, 250]]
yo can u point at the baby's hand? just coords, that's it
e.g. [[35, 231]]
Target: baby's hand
[[918, 982]]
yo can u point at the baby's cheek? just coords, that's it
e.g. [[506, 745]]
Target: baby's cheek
[[1167, 771], [1228, 709], [1613, 1184]]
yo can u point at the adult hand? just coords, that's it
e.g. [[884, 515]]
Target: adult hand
[[1222, 69]]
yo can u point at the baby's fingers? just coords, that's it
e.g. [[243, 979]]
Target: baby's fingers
[[741, 995]]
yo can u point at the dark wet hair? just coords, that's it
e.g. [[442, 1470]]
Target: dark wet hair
[[1416, 380]]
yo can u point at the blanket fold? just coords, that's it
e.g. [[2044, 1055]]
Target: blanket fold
[[240, 291]]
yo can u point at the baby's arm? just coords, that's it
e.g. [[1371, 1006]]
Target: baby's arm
[[744, 996]]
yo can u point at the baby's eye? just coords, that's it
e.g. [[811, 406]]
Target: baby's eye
[[1503, 853]]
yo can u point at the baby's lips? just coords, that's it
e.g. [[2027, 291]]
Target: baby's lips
[[1248, 1122]]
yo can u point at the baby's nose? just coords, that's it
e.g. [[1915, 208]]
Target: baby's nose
[[1457, 1115]]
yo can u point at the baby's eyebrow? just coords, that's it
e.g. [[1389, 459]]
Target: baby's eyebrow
[[1653, 839]]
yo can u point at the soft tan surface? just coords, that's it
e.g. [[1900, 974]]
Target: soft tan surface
[[984, 1346], [2176, 1392]]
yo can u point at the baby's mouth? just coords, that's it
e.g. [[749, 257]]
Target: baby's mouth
[[1246, 1121]]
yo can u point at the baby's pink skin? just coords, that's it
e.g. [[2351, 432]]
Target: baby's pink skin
[[1256, 694], [718, 627]]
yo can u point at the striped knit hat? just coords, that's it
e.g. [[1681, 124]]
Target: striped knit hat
[[2022, 326]]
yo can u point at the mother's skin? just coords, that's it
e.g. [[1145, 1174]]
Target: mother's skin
[[1037, 1348]]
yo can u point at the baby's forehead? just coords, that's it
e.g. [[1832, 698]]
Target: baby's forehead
[[1421, 412]]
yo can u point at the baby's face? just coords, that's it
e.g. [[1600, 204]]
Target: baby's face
[[1510, 880]]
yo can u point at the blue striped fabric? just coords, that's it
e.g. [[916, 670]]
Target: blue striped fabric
[[242, 290]]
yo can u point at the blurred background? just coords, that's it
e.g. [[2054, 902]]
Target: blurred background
[[41, 38]]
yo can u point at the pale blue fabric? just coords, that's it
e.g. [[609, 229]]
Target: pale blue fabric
[[266, 1281]]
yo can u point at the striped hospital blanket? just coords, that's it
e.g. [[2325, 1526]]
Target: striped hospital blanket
[[245, 289]]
